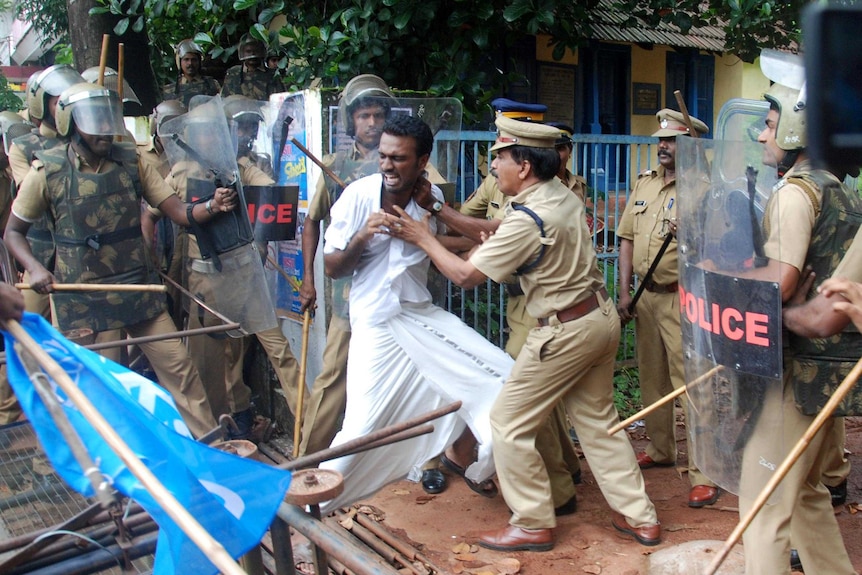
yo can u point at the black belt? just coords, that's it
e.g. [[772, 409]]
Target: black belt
[[514, 289], [578, 310], [96, 241], [653, 287]]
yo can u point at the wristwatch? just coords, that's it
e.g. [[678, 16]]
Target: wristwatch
[[436, 207]]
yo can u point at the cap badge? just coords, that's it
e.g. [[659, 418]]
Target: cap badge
[[663, 123]]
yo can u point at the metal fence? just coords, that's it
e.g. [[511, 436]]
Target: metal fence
[[610, 165]]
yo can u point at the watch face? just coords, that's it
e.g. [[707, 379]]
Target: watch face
[[436, 206]]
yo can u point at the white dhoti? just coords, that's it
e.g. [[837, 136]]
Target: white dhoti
[[417, 361]]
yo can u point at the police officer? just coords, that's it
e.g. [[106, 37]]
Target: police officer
[[43, 92], [807, 217], [568, 356], [91, 189], [649, 216], [11, 126], [220, 360], [250, 78], [191, 82], [367, 103]]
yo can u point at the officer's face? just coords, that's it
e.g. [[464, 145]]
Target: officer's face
[[399, 164], [100, 145], [565, 152], [369, 125], [190, 64], [772, 154], [508, 172], [667, 153]]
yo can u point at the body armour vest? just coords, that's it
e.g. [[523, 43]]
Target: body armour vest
[[818, 365], [39, 235], [97, 229], [184, 92]]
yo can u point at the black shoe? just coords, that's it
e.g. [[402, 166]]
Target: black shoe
[[838, 493], [576, 477], [433, 481], [244, 423], [567, 508], [795, 563]]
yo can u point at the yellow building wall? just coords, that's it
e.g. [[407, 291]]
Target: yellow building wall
[[545, 53], [648, 67]]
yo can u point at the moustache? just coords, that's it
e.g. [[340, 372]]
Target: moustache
[[493, 172]]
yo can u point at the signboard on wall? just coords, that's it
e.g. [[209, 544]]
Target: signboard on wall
[[645, 98], [557, 92]]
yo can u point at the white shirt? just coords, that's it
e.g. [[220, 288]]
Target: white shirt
[[390, 271]]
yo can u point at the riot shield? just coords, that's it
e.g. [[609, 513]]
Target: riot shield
[[224, 267], [730, 311]]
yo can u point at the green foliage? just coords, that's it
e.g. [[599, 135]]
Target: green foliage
[[627, 392], [49, 17], [9, 100]]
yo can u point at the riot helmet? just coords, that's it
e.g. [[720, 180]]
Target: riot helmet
[[111, 83], [186, 47], [165, 111], [93, 109], [363, 91], [11, 126], [250, 48], [47, 84], [790, 133], [244, 117]]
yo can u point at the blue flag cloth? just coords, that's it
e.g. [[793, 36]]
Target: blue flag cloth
[[234, 499]]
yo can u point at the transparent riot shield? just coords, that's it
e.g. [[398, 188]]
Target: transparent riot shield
[[224, 266], [730, 311]]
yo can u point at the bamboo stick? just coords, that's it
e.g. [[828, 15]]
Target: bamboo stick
[[669, 397], [326, 169], [181, 516], [101, 287], [103, 58], [300, 384]]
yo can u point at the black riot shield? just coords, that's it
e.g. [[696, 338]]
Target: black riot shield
[[730, 310]]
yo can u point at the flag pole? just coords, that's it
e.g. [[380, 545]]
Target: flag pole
[[214, 551]]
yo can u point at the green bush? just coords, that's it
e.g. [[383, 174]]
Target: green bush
[[627, 392]]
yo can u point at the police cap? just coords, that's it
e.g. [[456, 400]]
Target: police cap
[[519, 110], [512, 132], [672, 123]]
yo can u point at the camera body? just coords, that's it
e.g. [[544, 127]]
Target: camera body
[[833, 61]]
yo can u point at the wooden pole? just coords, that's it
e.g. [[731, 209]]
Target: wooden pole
[[181, 516], [300, 385], [121, 64], [825, 413], [684, 109], [101, 287], [321, 165], [670, 396], [103, 58], [290, 279]]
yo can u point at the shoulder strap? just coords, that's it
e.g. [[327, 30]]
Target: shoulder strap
[[528, 267], [809, 188]]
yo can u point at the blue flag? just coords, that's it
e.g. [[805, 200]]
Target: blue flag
[[235, 499]]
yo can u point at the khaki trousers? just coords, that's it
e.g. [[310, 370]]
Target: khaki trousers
[[573, 362], [801, 511], [554, 441], [660, 365], [328, 399], [175, 371]]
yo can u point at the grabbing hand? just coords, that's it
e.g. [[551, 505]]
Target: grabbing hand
[[11, 302], [852, 292], [224, 199], [406, 228]]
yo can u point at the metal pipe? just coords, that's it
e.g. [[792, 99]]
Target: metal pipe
[[354, 445], [335, 545], [282, 549], [98, 560], [404, 547], [381, 547]]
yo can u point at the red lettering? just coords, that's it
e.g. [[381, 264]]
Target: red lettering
[[755, 329], [690, 308], [251, 213], [733, 333], [266, 214], [285, 213], [682, 294], [715, 315]]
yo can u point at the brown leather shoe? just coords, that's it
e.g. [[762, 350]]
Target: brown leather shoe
[[648, 535], [702, 495], [645, 461], [512, 538]]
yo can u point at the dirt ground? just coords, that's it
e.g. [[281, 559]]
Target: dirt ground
[[585, 541]]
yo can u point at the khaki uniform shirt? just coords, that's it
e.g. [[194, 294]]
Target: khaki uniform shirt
[[32, 201], [650, 204], [567, 273], [148, 154], [488, 201]]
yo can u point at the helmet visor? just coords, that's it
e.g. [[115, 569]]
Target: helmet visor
[[98, 115]]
